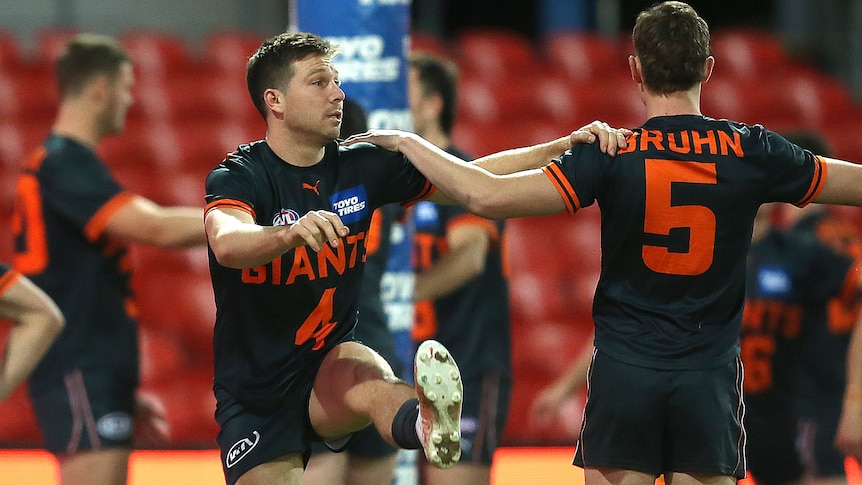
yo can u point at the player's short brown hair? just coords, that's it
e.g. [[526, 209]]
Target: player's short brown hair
[[84, 57], [672, 42], [273, 62]]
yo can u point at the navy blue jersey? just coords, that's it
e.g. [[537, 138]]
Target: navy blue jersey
[[824, 356], [274, 323], [373, 327], [65, 198], [8, 277], [677, 207], [473, 321], [791, 276]]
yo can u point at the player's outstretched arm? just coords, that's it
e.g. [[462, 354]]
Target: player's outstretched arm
[[143, 221], [843, 183], [492, 196], [610, 140], [238, 242], [38, 322]]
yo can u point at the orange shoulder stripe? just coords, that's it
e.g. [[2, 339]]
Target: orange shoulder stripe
[[427, 191], [555, 173], [96, 225], [7, 280], [817, 182], [230, 204]]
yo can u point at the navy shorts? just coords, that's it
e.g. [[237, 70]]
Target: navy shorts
[[250, 437], [483, 417], [90, 411], [770, 425], [817, 430], [657, 421]]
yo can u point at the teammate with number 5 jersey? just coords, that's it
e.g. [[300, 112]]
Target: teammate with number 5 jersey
[[678, 204]]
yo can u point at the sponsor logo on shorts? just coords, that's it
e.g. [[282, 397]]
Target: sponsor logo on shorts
[[241, 448], [351, 204], [285, 217], [115, 426]]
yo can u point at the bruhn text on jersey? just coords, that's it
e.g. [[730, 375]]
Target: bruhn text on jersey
[[713, 142]]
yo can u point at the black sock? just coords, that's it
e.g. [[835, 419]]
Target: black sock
[[404, 425]]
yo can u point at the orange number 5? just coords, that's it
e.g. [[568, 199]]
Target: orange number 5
[[661, 216]]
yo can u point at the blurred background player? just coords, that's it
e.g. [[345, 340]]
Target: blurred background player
[[461, 294], [37, 322], [824, 354], [791, 278], [368, 459], [72, 227]]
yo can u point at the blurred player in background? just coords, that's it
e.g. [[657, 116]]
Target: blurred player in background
[[368, 459], [791, 279], [72, 225], [462, 296], [821, 394]]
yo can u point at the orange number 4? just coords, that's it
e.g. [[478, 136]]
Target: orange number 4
[[319, 323]]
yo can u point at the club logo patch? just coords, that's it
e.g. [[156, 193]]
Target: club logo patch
[[285, 217], [240, 449], [773, 281], [425, 214], [351, 205]]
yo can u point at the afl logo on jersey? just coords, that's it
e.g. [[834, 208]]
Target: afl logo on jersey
[[351, 205], [285, 217]]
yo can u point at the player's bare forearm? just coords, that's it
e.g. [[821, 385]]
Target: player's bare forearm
[[519, 159], [238, 242], [843, 183]]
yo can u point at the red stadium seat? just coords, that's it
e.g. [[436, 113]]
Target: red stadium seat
[[188, 405], [178, 303], [18, 140], [161, 355], [430, 43], [494, 53], [156, 53], [51, 42], [748, 54], [10, 52], [586, 56], [229, 50], [18, 426], [29, 95]]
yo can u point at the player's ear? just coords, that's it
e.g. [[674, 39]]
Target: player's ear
[[635, 68], [707, 68], [274, 100]]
